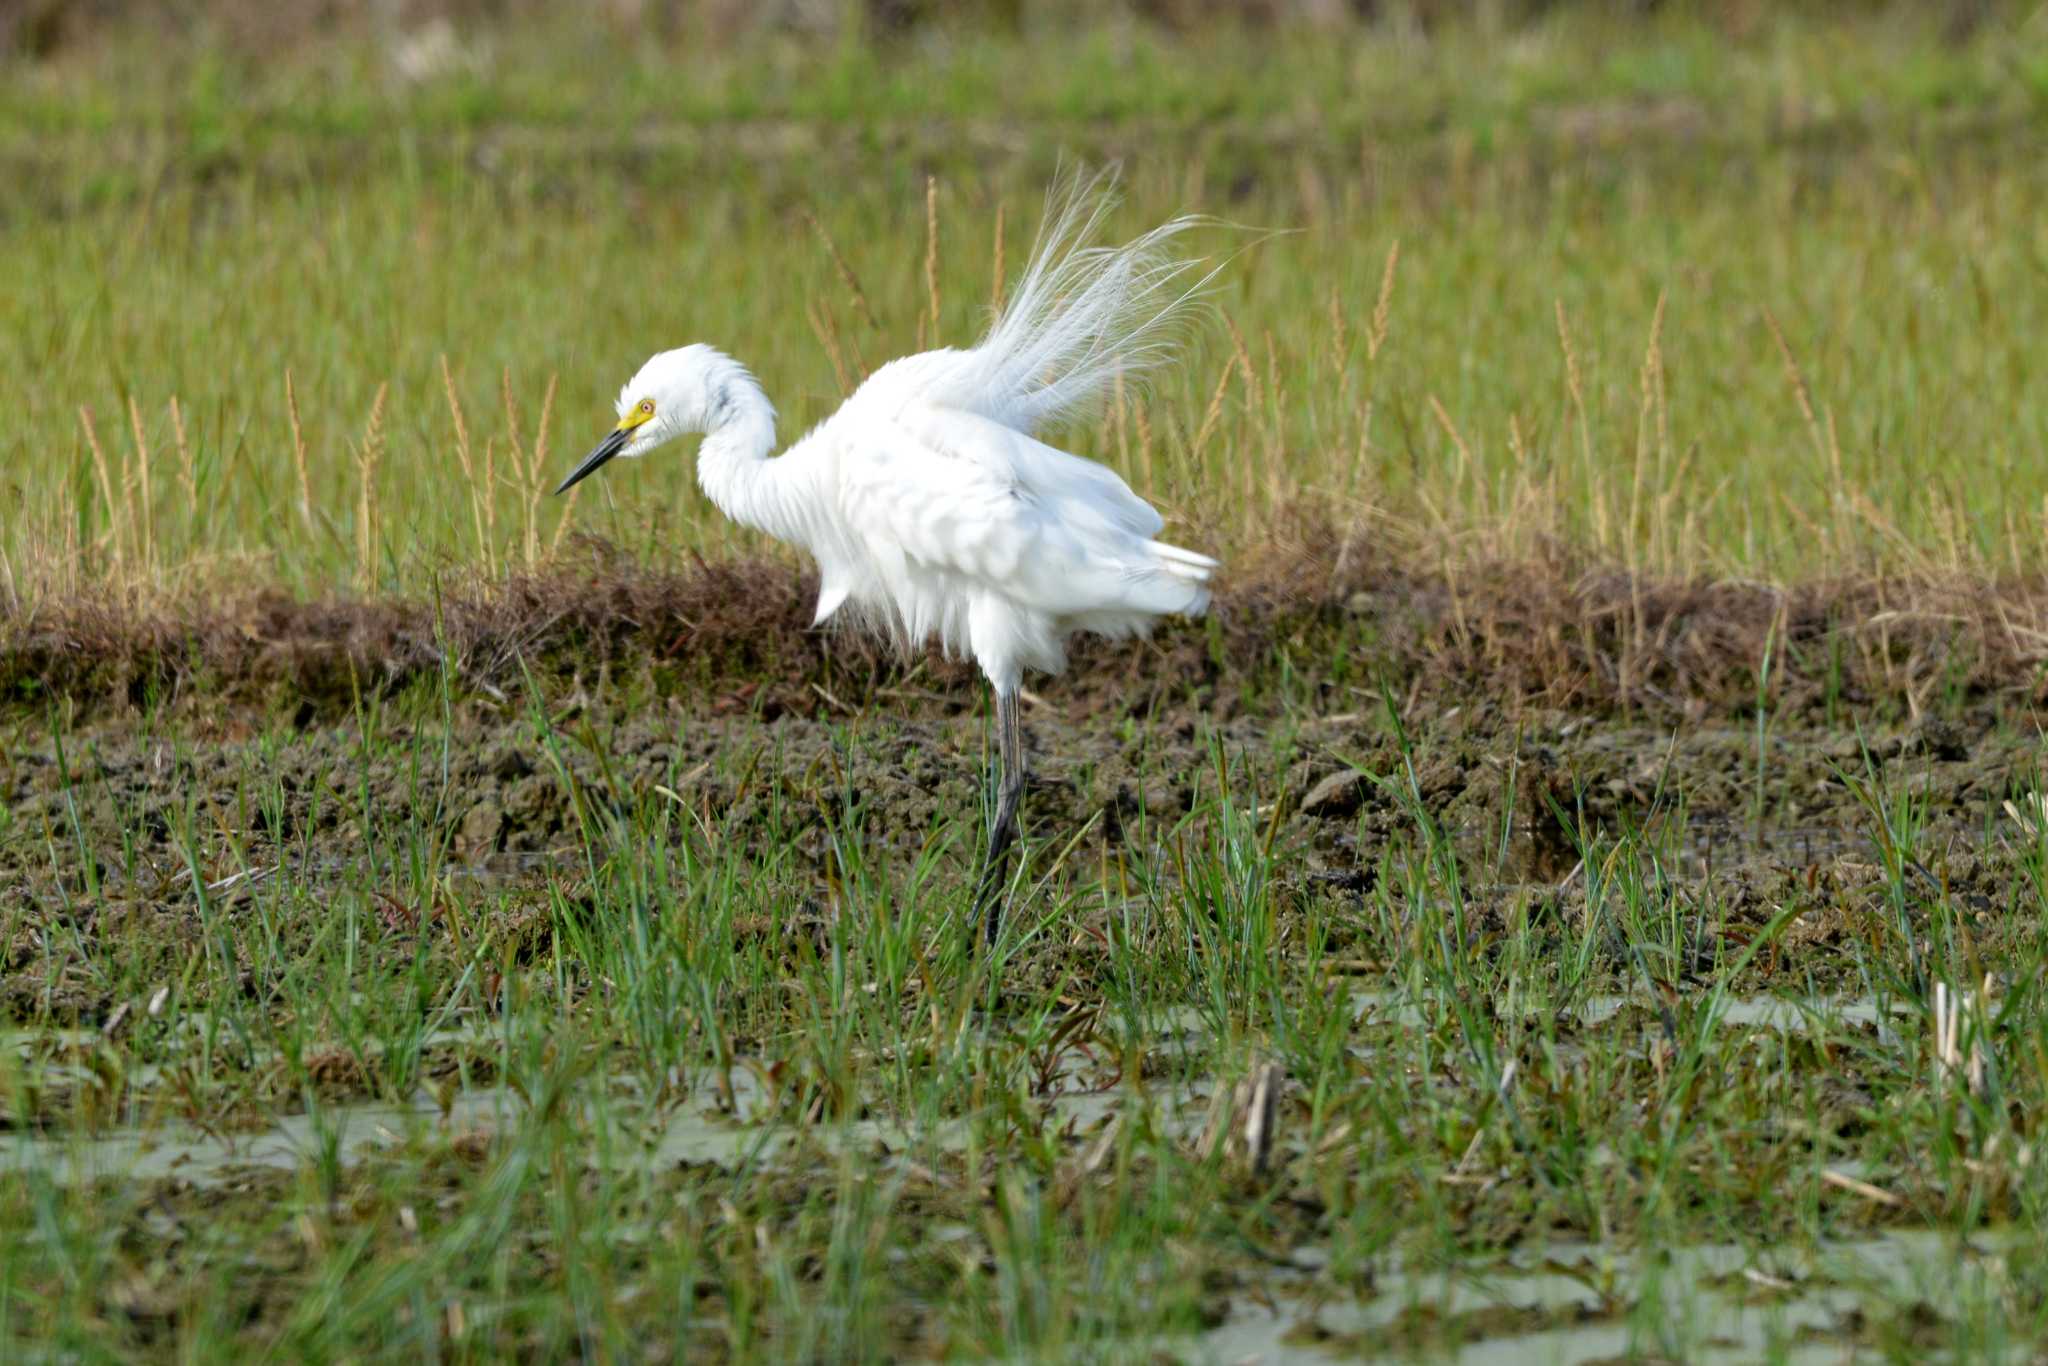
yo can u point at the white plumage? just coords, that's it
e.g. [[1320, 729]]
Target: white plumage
[[928, 502]]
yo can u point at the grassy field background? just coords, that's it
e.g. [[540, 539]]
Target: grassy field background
[[1580, 896], [1696, 305]]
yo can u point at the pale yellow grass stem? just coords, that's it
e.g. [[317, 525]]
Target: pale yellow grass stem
[[1575, 387], [99, 465], [512, 432], [1209, 417], [931, 253], [465, 457], [995, 293], [291, 405], [826, 328], [536, 473], [188, 477], [1458, 443], [145, 486], [1340, 335], [1823, 442], [1143, 421], [1375, 338], [1383, 307], [369, 458], [852, 282], [1649, 381], [489, 486]]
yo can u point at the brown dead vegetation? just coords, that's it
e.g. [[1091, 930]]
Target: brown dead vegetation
[[1551, 630]]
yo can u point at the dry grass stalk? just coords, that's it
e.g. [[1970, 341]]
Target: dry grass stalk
[[105, 475], [826, 329], [1838, 497], [1857, 1186], [1119, 420], [931, 254], [1649, 381], [369, 459], [1465, 465], [1252, 407], [1244, 361], [1953, 1010], [487, 494], [1243, 1122], [1375, 338], [846, 275], [995, 292], [1797, 379], [537, 474], [462, 449], [523, 469], [479, 492], [512, 433], [1210, 416], [1340, 336], [1824, 444], [1276, 435], [188, 477], [1142, 420], [1383, 307], [291, 406], [145, 486], [1575, 387]]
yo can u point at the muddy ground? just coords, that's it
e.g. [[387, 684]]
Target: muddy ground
[[1733, 821], [1782, 845]]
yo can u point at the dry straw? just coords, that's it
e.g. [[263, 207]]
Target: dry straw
[[188, 477], [1824, 443], [480, 495], [105, 476], [145, 486], [530, 464], [1375, 338], [291, 404], [852, 281], [826, 328], [1575, 387], [369, 456], [931, 259], [995, 292]]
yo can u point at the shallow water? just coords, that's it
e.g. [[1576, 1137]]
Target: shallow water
[[1706, 1302], [1787, 1014], [180, 1150]]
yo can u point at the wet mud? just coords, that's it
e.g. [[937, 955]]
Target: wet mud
[[1738, 820]]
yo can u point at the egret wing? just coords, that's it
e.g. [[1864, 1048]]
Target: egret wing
[[1080, 487], [938, 489]]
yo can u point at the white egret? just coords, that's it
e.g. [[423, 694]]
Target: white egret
[[925, 498]]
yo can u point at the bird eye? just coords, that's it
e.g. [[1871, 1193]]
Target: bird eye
[[646, 405]]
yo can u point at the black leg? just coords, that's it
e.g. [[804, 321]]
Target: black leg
[[995, 868]]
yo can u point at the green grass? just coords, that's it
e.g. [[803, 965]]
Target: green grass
[[1898, 248], [714, 1065], [1799, 65], [623, 1009]]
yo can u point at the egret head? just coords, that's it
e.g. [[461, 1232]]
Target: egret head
[[675, 392]]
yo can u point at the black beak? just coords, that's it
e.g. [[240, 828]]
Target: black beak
[[606, 449]]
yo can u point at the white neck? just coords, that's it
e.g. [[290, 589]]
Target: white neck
[[733, 467]]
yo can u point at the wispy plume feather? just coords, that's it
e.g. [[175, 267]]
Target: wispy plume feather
[[1082, 315]]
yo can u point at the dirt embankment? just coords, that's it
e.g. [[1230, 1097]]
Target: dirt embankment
[[1321, 607]]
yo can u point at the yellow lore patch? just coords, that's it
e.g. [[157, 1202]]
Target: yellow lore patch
[[640, 412]]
